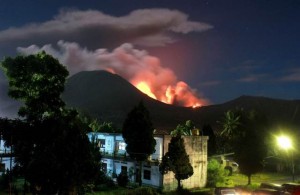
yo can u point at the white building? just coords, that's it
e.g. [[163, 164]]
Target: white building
[[6, 157], [115, 160]]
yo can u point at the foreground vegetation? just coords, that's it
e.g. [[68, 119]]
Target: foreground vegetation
[[234, 180]]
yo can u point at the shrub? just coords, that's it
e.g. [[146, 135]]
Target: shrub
[[86, 188], [216, 174], [104, 180]]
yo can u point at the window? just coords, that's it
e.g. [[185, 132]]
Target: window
[[101, 143], [122, 146], [124, 169], [147, 174]]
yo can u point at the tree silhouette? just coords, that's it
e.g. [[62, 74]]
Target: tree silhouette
[[50, 143], [177, 161], [250, 148], [208, 131], [138, 135], [245, 133]]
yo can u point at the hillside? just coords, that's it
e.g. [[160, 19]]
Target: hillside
[[109, 97]]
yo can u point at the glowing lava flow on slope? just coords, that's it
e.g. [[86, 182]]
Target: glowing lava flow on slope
[[144, 87], [178, 95]]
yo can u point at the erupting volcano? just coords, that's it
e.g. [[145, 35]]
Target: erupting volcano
[[142, 70], [180, 94]]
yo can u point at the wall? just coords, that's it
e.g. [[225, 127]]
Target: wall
[[196, 148]]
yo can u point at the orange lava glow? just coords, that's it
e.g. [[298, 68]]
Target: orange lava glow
[[144, 87], [196, 105], [180, 94]]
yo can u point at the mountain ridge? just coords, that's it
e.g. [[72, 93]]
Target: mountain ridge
[[109, 97]]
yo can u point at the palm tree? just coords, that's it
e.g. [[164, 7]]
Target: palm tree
[[230, 123], [185, 129]]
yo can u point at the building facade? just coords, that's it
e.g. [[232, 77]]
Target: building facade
[[115, 160], [6, 157]]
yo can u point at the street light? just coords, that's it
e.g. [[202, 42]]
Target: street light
[[285, 143]]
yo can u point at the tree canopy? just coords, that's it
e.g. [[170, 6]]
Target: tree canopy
[[105, 127], [37, 81], [50, 144], [138, 134], [185, 129]]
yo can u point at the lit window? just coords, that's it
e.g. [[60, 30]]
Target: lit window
[[101, 143], [122, 146]]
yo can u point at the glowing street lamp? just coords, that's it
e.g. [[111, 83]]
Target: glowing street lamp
[[285, 143]]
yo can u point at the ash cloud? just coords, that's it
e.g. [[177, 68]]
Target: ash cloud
[[94, 29], [130, 63]]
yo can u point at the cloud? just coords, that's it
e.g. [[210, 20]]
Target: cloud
[[247, 66], [252, 78], [250, 71], [293, 75], [134, 65], [94, 29]]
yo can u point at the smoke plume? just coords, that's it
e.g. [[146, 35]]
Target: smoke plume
[[137, 66]]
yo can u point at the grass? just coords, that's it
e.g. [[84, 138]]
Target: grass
[[234, 180], [256, 179]]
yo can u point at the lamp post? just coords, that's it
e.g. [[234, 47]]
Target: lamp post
[[285, 143]]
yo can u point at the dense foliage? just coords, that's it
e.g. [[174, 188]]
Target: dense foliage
[[216, 174], [50, 144], [105, 127], [184, 129]]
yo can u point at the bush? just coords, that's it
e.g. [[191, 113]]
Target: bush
[[216, 174], [122, 179], [86, 188], [104, 180]]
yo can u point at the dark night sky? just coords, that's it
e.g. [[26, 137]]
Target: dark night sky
[[221, 48]]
